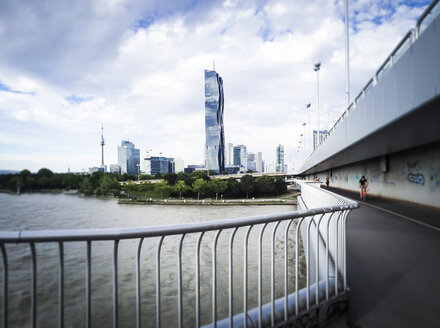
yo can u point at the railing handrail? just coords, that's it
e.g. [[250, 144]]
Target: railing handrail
[[351, 203], [425, 14], [26, 236]]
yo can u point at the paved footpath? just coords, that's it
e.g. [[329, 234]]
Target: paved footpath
[[393, 264]]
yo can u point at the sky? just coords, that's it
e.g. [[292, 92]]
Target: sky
[[137, 68]]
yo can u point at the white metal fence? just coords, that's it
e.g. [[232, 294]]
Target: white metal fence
[[254, 271]]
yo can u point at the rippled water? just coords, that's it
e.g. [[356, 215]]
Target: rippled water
[[62, 211]]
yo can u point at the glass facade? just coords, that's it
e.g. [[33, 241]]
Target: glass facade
[[214, 132], [280, 159], [162, 165], [240, 157], [128, 157]]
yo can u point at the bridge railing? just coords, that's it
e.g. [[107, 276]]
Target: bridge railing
[[248, 270], [431, 12]]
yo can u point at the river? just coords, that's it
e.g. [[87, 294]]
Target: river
[[41, 211]]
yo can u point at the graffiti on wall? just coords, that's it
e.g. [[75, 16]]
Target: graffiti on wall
[[435, 179], [416, 178], [414, 175]]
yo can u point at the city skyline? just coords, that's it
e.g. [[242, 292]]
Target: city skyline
[[140, 75]]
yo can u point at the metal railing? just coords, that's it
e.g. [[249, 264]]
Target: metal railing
[[267, 261], [431, 12]]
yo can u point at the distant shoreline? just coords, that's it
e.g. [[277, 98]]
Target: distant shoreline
[[229, 202]]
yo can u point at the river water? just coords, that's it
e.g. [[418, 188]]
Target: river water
[[66, 211]]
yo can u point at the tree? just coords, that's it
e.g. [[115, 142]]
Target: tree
[[106, 184], [233, 190], [200, 186], [185, 177], [280, 186], [46, 173], [86, 186], [170, 178], [218, 186], [265, 185], [163, 187], [181, 187], [247, 184], [200, 175]]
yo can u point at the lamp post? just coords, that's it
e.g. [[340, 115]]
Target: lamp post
[[139, 167], [316, 69], [310, 133], [305, 141], [347, 59]]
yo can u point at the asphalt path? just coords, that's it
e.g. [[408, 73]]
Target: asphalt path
[[393, 264]]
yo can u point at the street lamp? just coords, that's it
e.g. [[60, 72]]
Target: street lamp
[[308, 107], [139, 168], [305, 141], [347, 59], [316, 69]]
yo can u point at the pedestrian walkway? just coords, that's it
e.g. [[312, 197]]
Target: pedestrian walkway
[[393, 264]]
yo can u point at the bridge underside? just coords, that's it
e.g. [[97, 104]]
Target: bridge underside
[[417, 128]]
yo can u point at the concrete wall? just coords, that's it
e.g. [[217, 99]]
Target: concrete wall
[[411, 175]]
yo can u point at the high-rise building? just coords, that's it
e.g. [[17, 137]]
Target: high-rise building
[[280, 158], [179, 165], [214, 132], [229, 154], [259, 161], [128, 158], [240, 157], [322, 136]]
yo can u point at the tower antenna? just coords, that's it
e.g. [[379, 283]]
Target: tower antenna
[[213, 64], [102, 145]]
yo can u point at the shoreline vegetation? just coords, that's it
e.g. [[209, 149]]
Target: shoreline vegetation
[[197, 188]]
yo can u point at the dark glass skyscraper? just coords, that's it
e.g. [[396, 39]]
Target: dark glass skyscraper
[[214, 132]]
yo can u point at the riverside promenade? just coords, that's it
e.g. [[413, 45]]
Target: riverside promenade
[[393, 265]]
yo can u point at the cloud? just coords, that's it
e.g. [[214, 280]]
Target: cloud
[[138, 67]]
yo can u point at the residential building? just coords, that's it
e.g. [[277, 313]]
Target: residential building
[[128, 158], [280, 158], [322, 136], [214, 131]]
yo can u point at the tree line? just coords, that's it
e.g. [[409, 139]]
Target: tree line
[[195, 185], [200, 185]]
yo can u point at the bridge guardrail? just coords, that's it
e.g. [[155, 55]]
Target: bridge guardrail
[[275, 239]]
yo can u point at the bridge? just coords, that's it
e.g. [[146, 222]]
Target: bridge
[[390, 135], [390, 132]]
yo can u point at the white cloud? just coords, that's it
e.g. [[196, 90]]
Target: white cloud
[[138, 69]]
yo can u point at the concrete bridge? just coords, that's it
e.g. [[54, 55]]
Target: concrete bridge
[[390, 133]]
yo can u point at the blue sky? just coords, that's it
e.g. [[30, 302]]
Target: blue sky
[[137, 68]]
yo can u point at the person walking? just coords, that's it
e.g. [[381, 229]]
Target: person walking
[[327, 182], [363, 184]]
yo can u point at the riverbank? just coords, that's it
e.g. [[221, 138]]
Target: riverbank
[[208, 202]]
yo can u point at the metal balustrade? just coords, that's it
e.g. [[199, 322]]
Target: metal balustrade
[[260, 255]]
